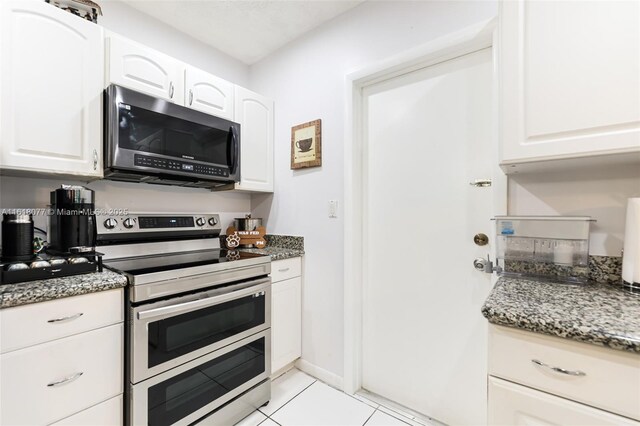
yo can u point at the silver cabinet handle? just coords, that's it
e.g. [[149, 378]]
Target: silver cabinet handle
[[65, 380], [190, 97], [69, 318], [283, 269], [171, 89], [559, 370], [95, 159]]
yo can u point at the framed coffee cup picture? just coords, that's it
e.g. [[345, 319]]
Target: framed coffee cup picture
[[306, 145]]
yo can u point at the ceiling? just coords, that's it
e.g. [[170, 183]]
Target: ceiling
[[247, 30]]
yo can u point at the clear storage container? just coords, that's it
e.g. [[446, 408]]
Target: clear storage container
[[548, 247]]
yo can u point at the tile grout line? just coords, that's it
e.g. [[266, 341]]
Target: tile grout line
[[369, 418], [294, 397]]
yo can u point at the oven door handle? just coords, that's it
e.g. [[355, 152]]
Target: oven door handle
[[169, 311]]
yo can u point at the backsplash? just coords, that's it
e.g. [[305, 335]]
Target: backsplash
[[603, 269], [285, 241], [281, 241]]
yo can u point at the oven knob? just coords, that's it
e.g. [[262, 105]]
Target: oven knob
[[110, 223], [129, 222], [213, 221], [200, 221]]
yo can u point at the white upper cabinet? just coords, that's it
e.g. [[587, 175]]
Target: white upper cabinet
[[208, 93], [570, 79], [51, 81], [255, 114], [145, 70]]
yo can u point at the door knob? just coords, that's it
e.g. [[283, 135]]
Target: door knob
[[479, 263]]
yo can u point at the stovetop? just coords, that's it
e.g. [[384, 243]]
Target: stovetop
[[181, 261]]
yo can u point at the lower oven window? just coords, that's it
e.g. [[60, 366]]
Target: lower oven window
[[179, 396], [178, 335]]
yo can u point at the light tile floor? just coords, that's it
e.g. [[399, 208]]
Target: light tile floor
[[298, 399]]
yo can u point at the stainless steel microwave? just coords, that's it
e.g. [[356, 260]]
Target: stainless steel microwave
[[154, 141]]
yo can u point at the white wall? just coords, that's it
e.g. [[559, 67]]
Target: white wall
[[129, 22], [597, 192], [307, 81]]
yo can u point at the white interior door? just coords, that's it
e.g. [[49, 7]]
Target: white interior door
[[428, 134]]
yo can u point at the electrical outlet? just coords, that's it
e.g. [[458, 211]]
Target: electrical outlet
[[333, 208]]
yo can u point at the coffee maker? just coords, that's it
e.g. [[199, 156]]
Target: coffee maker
[[72, 226]]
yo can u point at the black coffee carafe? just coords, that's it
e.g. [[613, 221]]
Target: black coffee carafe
[[72, 227]]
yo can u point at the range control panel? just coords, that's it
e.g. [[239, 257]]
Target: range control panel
[[151, 222], [178, 165]]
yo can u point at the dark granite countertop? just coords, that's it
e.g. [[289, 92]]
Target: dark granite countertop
[[57, 288], [600, 314]]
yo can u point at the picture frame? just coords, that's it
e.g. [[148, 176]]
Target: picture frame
[[306, 145]]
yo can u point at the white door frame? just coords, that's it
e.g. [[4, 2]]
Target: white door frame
[[468, 40]]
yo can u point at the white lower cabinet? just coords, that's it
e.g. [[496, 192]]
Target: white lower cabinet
[[70, 369], [107, 413], [61, 377], [515, 405], [537, 380], [286, 315]]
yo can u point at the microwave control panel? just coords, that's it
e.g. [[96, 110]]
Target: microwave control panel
[[178, 165]]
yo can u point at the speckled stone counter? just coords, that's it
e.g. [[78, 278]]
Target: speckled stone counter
[[57, 288], [600, 314]]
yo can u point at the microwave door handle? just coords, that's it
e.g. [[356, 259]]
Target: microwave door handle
[[234, 150]]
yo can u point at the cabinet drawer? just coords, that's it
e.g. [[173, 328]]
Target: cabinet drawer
[[515, 405], [285, 269], [91, 362], [108, 413], [28, 325], [611, 381]]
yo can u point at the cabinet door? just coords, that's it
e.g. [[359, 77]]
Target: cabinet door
[[51, 68], [45, 383], [515, 405], [145, 70], [208, 93], [255, 115], [108, 413], [286, 322], [570, 79]]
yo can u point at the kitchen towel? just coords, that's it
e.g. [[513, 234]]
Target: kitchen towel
[[631, 255]]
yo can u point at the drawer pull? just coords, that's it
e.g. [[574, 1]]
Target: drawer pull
[[65, 380], [69, 318], [283, 269], [559, 370]]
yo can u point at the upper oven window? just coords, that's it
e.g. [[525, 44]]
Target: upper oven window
[[178, 335], [148, 131]]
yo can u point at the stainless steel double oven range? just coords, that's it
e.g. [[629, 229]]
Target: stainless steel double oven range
[[199, 317]]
